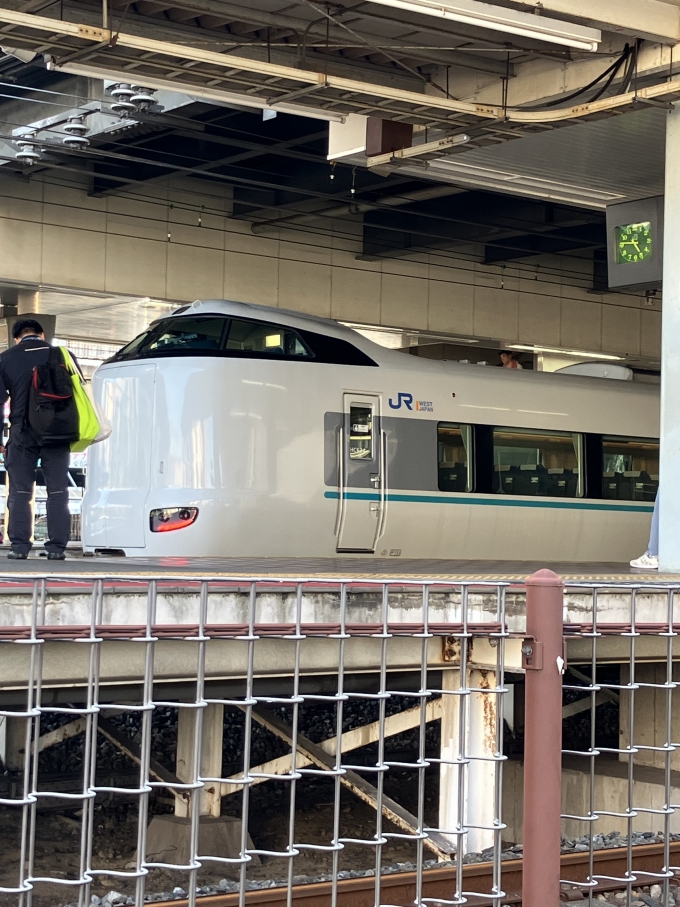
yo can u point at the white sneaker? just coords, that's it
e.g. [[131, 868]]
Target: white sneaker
[[646, 562]]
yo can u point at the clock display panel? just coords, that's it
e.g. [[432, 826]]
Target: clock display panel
[[633, 242]]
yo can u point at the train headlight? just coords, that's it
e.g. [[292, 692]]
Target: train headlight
[[169, 518]]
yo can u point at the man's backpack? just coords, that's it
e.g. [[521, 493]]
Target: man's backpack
[[52, 414]]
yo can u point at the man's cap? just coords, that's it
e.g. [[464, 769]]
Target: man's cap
[[27, 324]]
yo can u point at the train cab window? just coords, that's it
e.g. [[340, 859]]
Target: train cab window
[[271, 339], [185, 334], [630, 468], [544, 463], [134, 346], [454, 445], [360, 432]]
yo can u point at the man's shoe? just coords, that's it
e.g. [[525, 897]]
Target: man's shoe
[[646, 562], [56, 556], [17, 556]]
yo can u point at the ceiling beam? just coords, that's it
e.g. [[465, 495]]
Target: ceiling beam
[[264, 19], [653, 19]]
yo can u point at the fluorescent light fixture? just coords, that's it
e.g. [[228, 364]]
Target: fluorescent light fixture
[[548, 349], [498, 18]]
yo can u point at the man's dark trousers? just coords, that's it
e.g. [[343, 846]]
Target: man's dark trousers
[[21, 461]]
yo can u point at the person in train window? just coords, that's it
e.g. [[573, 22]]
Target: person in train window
[[509, 360], [23, 451], [650, 559]]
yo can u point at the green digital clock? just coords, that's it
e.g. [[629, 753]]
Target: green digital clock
[[633, 242]]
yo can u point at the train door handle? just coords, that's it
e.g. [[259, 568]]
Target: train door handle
[[375, 480]]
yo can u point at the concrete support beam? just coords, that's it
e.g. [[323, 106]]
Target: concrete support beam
[[669, 466], [467, 793], [653, 19], [211, 730], [13, 743]]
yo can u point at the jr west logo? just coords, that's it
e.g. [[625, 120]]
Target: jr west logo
[[406, 400]]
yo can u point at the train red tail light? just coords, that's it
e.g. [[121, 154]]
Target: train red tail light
[[170, 518]]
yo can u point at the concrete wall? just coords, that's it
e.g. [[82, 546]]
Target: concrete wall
[[610, 794], [147, 242], [650, 714]]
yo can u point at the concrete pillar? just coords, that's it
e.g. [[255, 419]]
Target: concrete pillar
[[212, 730], [13, 743], [669, 467], [477, 797]]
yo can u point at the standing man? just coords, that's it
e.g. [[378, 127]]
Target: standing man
[[23, 450]]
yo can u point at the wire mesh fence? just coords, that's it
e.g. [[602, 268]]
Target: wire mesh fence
[[620, 782], [178, 738]]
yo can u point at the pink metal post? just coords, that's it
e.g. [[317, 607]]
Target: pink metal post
[[542, 657]]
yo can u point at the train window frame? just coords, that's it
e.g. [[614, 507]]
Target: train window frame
[[467, 438], [500, 488], [626, 478]]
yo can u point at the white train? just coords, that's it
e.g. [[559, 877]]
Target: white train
[[240, 430]]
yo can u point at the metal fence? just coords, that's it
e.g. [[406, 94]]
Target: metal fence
[[250, 734], [623, 647], [363, 742]]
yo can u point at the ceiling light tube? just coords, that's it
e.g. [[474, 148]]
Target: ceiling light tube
[[498, 18], [548, 349]]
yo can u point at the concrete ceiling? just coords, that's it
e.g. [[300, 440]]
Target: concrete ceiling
[[591, 164], [97, 318]]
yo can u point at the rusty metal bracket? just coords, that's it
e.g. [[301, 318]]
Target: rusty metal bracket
[[532, 654], [451, 649]]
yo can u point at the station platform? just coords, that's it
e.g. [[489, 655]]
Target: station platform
[[347, 568]]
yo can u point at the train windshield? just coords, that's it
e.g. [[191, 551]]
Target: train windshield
[[243, 338], [186, 334]]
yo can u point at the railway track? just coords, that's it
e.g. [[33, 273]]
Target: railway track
[[400, 888]]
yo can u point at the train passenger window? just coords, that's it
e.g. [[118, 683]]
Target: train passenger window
[[454, 444], [360, 432], [630, 468], [256, 337], [531, 462], [185, 334]]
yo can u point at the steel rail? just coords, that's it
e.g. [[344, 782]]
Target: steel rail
[[399, 887]]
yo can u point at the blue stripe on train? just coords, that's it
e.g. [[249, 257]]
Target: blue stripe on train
[[499, 501]]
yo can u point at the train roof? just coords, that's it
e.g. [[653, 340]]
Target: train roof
[[396, 358]]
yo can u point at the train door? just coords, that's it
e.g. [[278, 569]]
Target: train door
[[362, 474]]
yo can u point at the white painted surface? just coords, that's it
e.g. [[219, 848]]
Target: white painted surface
[[115, 514], [669, 466]]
